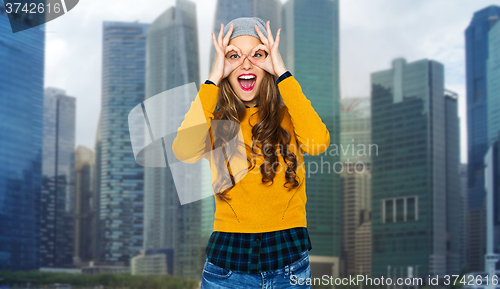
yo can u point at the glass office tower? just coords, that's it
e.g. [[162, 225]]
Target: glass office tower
[[455, 217], [319, 79], [493, 81], [21, 118], [58, 180], [476, 53], [355, 136], [84, 206], [172, 61], [96, 196], [493, 104], [121, 183], [409, 172]]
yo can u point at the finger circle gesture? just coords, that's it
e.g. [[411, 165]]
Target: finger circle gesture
[[273, 63], [222, 67]]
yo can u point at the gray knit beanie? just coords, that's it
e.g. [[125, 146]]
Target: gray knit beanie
[[246, 26]]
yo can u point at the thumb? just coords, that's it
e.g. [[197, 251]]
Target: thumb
[[255, 62], [240, 61]]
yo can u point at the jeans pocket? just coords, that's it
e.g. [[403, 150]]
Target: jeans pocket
[[301, 268], [212, 270]]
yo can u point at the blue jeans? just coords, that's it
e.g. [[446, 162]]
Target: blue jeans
[[294, 275]]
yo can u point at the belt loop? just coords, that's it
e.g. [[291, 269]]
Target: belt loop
[[287, 270]]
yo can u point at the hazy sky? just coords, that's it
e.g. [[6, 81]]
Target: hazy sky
[[372, 33]]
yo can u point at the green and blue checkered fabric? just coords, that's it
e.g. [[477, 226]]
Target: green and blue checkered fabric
[[257, 252]]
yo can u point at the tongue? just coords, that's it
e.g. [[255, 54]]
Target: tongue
[[246, 83]]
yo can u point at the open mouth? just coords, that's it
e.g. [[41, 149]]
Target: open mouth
[[247, 81]]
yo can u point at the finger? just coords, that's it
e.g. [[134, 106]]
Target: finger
[[262, 37], [240, 61], [232, 48], [216, 46], [269, 34], [221, 32], [277, 41], [260, 47], [255, 62], [228, 35]]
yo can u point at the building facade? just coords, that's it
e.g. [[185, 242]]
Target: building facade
[[21, 128], [319, 78], [121, 178], [455, 217], [493, 104], [356, 148], [409, 173], [153, 262], [172, 61], [58, 179], [493, 82], [476, 53], [85, 210]]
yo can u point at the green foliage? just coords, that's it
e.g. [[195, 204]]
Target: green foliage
[[108, 281]]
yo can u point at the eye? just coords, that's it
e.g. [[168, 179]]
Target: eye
[[260, 54], [236, 56]]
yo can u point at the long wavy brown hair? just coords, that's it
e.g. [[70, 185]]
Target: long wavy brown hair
[[267, 136]]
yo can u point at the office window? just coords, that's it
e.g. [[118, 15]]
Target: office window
[[400, 210], [389, 211], [410, 209]]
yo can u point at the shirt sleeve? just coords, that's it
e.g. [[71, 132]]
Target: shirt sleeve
[[311, 133], [193, 139]]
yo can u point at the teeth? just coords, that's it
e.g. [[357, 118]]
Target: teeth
[[247, 76]]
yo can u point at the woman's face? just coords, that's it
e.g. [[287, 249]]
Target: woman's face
[[246, 78]]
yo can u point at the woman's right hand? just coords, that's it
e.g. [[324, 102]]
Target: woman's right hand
[[222, 67]]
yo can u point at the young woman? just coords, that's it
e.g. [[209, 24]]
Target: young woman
[[260, 233]]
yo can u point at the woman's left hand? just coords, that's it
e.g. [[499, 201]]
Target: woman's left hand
[[273, 63]]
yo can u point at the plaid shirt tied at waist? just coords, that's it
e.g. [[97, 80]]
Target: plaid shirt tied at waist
[[257, 252]]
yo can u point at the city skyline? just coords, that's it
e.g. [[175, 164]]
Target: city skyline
[[73, 47], [417, 117]]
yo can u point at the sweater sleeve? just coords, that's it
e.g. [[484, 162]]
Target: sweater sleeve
[[193, 140], [311, 133]]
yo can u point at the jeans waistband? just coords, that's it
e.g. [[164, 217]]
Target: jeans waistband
[[293, 267]]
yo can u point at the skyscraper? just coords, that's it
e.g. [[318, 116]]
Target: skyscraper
[[462, 170], [96, 198], [476, 52], [454, 197], [493, 104], [493, 82], [409, 173], [85, 211], [58, 179], [172, 61], [21, 112], [356, 184], [319, 79], [121, 183], [227, 10]]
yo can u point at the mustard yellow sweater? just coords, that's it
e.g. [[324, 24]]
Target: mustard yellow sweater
[[254, 206]]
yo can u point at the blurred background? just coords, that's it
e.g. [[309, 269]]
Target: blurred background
[[408, 89]]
